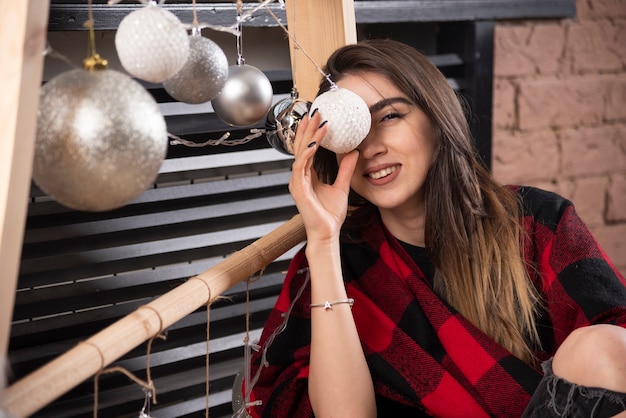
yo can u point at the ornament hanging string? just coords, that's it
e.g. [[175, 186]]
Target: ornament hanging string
[[298, 46], [93, 61], [195, 14], [147, 385], [206, 363], [206, 360], [240, 59], [91, 50]]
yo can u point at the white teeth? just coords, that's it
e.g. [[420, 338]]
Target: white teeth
[[382, 173]]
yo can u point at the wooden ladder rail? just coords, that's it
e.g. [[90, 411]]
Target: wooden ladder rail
[[34, 391]]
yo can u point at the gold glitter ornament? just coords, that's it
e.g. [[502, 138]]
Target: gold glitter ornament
[[349, 119], [101, 140], [152, 44], [245, 98], [203, 75]]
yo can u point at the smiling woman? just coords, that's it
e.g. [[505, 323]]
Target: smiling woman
[[460, 288]]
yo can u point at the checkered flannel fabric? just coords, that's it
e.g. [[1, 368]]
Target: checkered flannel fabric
[[425, 358]]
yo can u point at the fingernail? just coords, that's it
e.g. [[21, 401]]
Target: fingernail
[[323, 123], [312, 144], [314, 111]]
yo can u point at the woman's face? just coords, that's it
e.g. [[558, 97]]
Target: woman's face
[[396, 154]]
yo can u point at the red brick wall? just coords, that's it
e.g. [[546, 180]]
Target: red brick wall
[[560, 113]]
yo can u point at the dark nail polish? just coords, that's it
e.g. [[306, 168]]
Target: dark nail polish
[[314, 111], [312, 144], [323, 123]]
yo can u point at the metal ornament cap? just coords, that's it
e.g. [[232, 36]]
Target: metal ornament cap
[[348, 117], [245, 98], [101, 140]]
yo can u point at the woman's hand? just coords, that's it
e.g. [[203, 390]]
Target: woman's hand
[[323, 206], [340, 383]]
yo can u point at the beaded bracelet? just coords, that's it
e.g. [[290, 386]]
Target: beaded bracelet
[[329, 305]]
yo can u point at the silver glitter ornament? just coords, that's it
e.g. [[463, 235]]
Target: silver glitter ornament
[[282, 121], [349, 119], [203, 75], [245, 98], [151, 43], [101, 139]]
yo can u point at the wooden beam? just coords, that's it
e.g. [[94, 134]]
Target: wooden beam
[[319, 27], [22, 42]]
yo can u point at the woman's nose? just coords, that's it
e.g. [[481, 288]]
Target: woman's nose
[[371, 147]]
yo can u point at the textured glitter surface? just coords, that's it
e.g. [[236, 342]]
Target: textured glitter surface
[[348, 117], [203, 75], [101, 139], [152, 44], [246, 97]]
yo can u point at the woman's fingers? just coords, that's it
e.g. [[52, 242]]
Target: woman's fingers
[[309, 131], [346, 170], [308, 135]]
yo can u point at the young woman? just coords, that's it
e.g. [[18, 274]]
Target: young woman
[[425, 287]]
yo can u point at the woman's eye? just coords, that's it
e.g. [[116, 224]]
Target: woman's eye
[[390, 116]]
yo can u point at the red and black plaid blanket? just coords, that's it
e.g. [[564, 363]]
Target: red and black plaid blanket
[[424, 357]]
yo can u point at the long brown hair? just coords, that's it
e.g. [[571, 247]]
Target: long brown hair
[[472, 228]]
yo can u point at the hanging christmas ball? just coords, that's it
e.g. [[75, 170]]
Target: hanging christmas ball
[[282, 121], [348, 117], [245, 98], [203, 75], [152, 43], [100, 142]]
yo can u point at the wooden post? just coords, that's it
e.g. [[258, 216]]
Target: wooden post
[[319, 27], [22, 41]]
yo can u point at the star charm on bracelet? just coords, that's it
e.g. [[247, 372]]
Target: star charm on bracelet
[[328, 305]]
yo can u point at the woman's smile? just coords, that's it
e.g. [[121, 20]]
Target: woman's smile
[[383, 172]]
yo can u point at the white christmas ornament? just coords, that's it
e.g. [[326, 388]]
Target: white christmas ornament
[[101, 139], [348, 117], [246, 97], [152, 43], [203, 75]]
